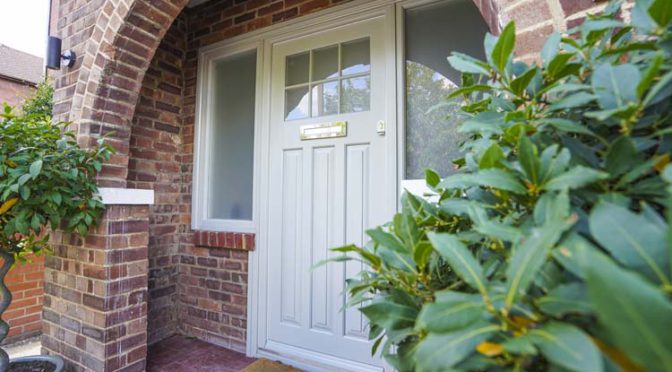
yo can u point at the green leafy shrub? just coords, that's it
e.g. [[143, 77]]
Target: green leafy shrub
[[551, 248], [46, 181], [41, 102]]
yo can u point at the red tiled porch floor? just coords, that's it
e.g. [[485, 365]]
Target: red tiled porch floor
[[181, 354]]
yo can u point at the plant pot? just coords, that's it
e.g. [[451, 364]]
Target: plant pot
[[36, 363]]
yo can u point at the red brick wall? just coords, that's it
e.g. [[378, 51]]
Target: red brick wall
[[24, 315], [155, 148], [95, 302], [14, 93]]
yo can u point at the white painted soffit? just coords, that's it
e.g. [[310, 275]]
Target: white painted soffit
[[121, 196]]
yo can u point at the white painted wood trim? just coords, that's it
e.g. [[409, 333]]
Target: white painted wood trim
[[203, 131], [121, 196]]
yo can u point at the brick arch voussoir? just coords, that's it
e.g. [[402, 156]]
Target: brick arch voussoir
[[121, 47]]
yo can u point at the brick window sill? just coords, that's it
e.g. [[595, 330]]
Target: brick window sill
[[223, 239]]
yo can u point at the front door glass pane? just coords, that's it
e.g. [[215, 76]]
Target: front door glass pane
[[432, 33], [355, 93], [356, 57], [330, 80], [297, 69], [297, 103], [325, 63], [325, 99]]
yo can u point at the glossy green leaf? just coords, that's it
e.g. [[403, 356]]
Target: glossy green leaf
[[529, 257], [568, 347], [440, 352], [616, 86], [519, 84], [390, 315], [660, 91], [575, 177], [464, 63], [529, 158], [551, 48], [387, 240], [35, 168], [504, 46], [622, 156], [566, 299], [635, 313], [631, 239], [460, 259], [571, 101], [661, 12], [432, 178], [491, 157], [451, 311], [495, 178]]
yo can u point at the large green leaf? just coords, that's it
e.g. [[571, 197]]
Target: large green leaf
[[491, 157], [616, 86], [464, 63], [567, 298], [551, 48], [492, 177], [440, 352], [388, 240], [631, 239], [529, 158], [622, 156], [529, 257], [390, 315], [636, 314], [567, 346], [661, 12], [460, 259], [572, 101], [450, 312], [574, 178], [504, 47]]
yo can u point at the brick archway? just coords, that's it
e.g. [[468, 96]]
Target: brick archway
[[116, 57]]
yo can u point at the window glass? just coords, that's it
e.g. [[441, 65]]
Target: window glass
[[297, 69], [325, 99], [339, 81], [325, 63], [432, 32], [355, 93], [356, 57], [232, 146]]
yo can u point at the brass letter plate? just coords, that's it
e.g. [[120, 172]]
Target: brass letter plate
[[324, 130]]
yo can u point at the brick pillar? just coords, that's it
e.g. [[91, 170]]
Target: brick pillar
[[95, 303]]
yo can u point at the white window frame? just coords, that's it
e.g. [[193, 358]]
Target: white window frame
[[203, 129]]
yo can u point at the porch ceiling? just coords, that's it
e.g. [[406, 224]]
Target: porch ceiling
[[193, 3]]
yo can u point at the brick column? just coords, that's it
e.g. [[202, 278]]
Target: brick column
[[95, 303]]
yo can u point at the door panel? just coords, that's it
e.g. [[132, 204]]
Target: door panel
[[325, 192]]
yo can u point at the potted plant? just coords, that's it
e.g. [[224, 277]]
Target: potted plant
[[46, 182], [551, 248]]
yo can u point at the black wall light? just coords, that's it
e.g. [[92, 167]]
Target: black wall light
[[54, 56]]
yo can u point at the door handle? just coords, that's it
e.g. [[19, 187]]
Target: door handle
[[380, 127]]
